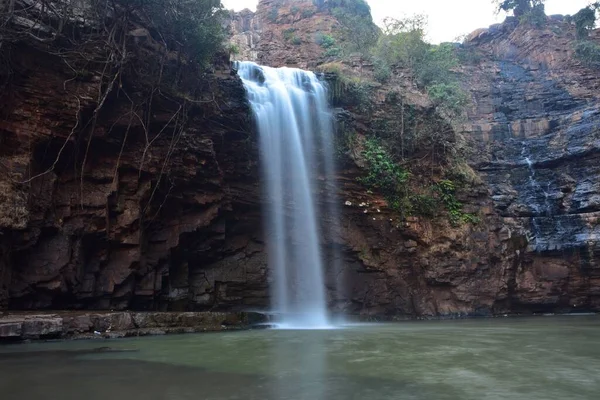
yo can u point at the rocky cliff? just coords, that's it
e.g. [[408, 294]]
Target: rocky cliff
[[155, 203], [282, 33], [536, 124], [118, 194], [533, 127]]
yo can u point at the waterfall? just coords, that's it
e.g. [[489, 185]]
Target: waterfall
[[296, 149]]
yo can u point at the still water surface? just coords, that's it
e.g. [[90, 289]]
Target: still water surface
[[542, 358]]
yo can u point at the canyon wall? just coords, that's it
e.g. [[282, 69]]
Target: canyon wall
[[535, 125], [136, 207], [117, 212]]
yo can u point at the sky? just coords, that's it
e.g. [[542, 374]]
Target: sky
[[447, 19]]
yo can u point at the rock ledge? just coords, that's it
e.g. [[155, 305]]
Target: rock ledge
[[73, 325]]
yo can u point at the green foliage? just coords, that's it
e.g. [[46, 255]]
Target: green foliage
[[536, 16], [193, 26], [588, 53], [328, 42], [518, 7], [355, 7], [346, 89], [425, 205], [437, 64], [469, 55], [585, 19], [383, 173], [273, 15], [446, 190], [345, 142], [392, 180], [358, 31], [392, 97], [569, 19], [381, 71], [358, 93], [528, 11], [403, 44], [289, 34], [295, 10], [449, 96], [307, 13], [233, 49], [333, 52], [324, 40]]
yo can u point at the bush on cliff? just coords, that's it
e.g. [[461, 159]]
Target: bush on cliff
[[588, 53], [383, 173], [388, 177], [357, 30], [403, 44]]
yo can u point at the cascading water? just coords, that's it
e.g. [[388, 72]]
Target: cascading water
[[296, 143], [542, 213]]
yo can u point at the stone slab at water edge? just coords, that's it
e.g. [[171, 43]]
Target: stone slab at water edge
[[75, 325]]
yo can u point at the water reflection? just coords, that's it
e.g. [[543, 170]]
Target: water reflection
[[549, 358]]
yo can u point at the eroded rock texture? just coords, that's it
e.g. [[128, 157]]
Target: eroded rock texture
[[534, 130], [137, 207], [536, 125], [164, 213]]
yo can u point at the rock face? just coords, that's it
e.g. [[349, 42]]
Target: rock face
[[138, 208], [245, 34], [161, 209], [282, 33], [536, 125]]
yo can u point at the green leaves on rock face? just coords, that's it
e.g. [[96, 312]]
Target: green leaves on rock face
[[588, 53], [325, 41], [384, 174], [389, 178], [446, 190], [449, 96], [403, 44]]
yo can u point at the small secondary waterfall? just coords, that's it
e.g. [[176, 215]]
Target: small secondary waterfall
[[296, 143], [542, 213]]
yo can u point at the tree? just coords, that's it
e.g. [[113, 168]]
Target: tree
[[585, 20], [356, 23], [519, 7]]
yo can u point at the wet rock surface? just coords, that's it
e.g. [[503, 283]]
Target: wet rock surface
[[536, 125]]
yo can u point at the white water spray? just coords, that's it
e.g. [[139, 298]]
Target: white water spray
[[296, 143]]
